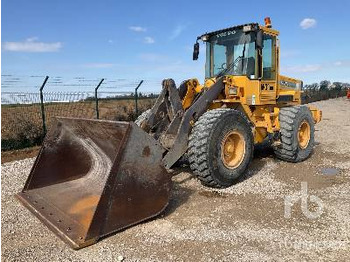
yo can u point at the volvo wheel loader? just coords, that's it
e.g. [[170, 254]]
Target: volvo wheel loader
[[95, 177]]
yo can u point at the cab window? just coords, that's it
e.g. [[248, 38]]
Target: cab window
[[269, 67]]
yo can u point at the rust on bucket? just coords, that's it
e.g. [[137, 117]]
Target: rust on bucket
[[92, 178]]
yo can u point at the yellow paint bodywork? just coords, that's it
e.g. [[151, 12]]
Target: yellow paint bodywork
[[193, 88], [261, 106], [316, 114], [260, 100]]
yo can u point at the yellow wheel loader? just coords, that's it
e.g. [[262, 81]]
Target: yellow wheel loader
[[95, 177]]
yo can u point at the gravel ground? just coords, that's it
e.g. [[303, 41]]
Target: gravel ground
[[244, 222]]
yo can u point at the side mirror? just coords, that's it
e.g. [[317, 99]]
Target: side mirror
[[259, 40], [195, 51]]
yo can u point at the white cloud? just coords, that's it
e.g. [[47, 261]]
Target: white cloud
[[32, 39], [177, 31], [137, 28], [307, 23], [303, 68], [99, 65], [342, 63], [32, 46], [149, 40]]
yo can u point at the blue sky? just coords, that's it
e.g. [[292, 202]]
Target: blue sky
[[153, 39]]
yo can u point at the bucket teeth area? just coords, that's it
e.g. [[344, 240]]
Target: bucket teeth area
[[93, 177]]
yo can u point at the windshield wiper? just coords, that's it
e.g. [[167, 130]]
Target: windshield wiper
[[233, 64], [230, 66]]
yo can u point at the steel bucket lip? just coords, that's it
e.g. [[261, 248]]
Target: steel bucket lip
[[59, 228], [33, 199], [127, 154], [75, 243]]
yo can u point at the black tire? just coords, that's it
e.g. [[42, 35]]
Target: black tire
[[291, 119], [205, 145], [142, 117]]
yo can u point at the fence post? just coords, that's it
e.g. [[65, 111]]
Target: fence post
[[136, 96], [42, 104], [96, 98]]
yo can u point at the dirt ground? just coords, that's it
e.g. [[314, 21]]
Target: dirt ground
[[9, 156], [248, 221]]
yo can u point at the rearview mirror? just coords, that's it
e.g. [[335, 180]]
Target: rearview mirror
[[259, 40], [195, 51]]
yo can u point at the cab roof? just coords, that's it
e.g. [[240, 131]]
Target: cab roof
[[255, 26]]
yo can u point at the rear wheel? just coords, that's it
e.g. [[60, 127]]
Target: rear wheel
[[297, 134], [220, 147]]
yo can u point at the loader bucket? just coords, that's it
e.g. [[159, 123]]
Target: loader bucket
[[92, 178]]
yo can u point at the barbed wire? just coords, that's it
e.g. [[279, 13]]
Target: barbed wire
[[24, 89], [20, 82]]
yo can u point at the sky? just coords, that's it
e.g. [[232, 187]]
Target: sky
[[154, 39]]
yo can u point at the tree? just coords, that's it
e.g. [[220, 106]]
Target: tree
[[306, 87], [313, 87], [324, 85], [338, 86]]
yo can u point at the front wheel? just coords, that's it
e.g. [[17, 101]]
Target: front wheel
[[220, 147]]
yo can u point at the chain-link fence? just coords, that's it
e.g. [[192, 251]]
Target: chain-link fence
[[26, 116], [24, 124]]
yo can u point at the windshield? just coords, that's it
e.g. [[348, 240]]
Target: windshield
[[231, 53]]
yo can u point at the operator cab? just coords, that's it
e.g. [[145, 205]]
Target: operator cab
[[245, 50]]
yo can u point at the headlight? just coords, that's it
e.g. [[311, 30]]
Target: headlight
[[205, 38], [232, 91]]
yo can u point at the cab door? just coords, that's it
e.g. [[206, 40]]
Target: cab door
[[268, 83]]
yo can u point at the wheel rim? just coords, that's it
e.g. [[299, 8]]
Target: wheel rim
[[304, 134], [232, 149]]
